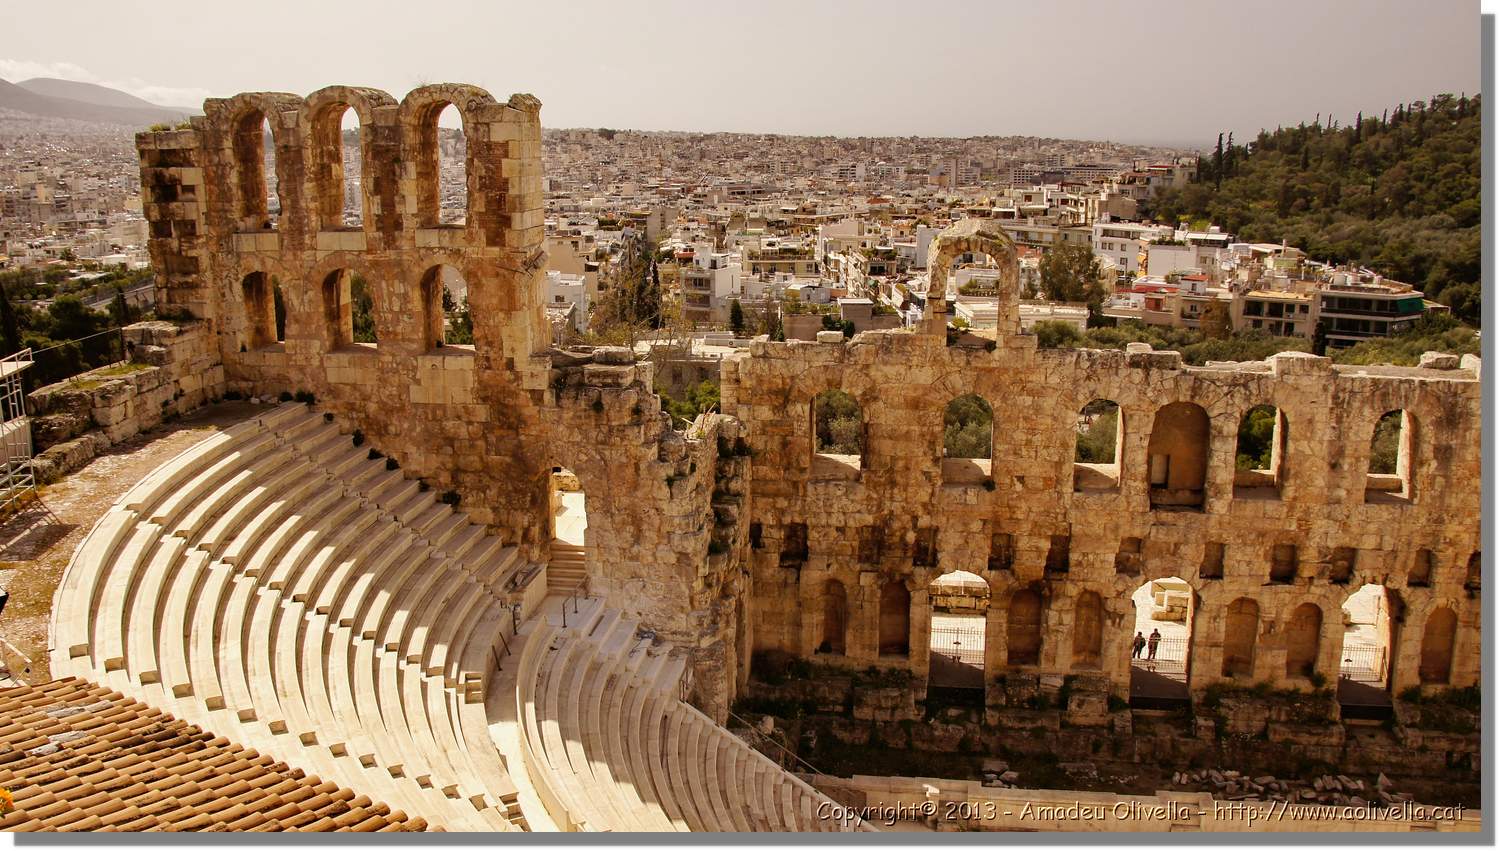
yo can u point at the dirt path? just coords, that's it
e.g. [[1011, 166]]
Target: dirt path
[[35, 546]]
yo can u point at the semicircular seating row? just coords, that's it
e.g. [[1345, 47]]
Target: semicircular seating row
[[593, 712], [279, 586]]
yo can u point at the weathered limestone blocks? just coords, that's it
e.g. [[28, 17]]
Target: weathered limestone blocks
[[1062, 527], [172, 369]]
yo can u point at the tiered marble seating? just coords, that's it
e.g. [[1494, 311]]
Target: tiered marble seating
[[596, 718], [276, 585]]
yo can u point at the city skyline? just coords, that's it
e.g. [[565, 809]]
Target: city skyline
[[1005, 70]]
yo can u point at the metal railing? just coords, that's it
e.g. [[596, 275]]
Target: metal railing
[[1363, 663], [1169, 660]]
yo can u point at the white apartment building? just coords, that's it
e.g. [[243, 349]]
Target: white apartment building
[[563, 288], [1121, 242]]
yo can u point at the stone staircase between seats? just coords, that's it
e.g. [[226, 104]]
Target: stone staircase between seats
[[592, 709]]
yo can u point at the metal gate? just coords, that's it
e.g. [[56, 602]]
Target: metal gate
[[1363, 663], [957, 652]]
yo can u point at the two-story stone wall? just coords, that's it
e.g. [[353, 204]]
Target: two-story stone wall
[[489, 420], [1073, 542]]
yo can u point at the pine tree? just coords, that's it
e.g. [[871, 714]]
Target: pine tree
[[1359, 123]]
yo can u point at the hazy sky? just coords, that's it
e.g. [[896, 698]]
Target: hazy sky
[[1165, 71]]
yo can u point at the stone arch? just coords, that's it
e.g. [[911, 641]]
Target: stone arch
[[835, 624], [1260, 453], [1392, 457], [980, 236], [1367, 652], [1098, 446], [258, 295], [440, 284], [1304, 633], [419, 114], [333, 281], [322, 116], [1241, 629], [1023, 627], [1088, 630], [245, 119], [1177, 471], [895, 619], [1435, 665]]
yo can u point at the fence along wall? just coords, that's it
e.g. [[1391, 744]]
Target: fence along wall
[[1325, 526], [489, 420]]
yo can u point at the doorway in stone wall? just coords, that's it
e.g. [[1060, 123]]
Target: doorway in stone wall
[[1369, 618], [1160, 643], [960, 603], [565, 569]]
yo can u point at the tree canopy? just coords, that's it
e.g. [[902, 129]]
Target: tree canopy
[[1398, 194]]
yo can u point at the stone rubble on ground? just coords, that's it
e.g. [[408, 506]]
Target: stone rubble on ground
[[1324, 789]]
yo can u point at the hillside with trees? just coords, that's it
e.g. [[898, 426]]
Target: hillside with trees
[[1398, 193]]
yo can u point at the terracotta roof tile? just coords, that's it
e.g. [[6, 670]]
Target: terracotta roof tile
[[77, 756]]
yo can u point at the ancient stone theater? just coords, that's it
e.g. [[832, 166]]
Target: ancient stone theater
[[368, 584]]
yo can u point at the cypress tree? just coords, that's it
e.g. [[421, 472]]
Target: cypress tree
[[10, 329]]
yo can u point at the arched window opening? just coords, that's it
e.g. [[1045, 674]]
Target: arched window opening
[[1471, 575], [960, 604], [968, 438], [838, 428], [1098, 447], [1436, 665], [338, 165], [1023, 628], [255, 169], [1088, 631], [569, 512], [1160, 642], [1241, 628], [1304, 634], [362, 310], [1391, 453], [445, 308], [1178, 453], [835, 618], [348, 315], [895, 619], [453, 172], [1365, 658], [1260, 454], [263, 320]]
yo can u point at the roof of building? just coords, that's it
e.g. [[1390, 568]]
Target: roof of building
[[79, 756]]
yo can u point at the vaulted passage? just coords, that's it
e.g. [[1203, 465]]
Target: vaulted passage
[[1161, 641], [960, 603]]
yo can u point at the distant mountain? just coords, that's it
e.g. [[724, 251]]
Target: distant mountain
[[92, 93], [85, 102]]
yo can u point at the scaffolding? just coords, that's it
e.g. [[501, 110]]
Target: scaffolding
[[17, 477]]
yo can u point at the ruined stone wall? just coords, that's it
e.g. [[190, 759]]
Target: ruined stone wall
[[490, 420], [170, 369], [872, 525]]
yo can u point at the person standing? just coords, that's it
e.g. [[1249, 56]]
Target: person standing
[[1137, 645], [1151, 643]]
